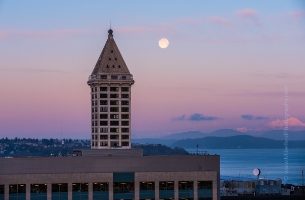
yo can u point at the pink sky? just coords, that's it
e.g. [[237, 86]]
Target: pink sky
[[221, 64]]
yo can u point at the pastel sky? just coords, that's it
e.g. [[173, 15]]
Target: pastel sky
[[225, 60]]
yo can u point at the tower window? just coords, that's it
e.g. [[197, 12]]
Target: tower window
[[125, 123], [112, 66], [125, 137], [114, 102], [115, 58], [114, 116], [114, 77], [103, 116], [111, 51], [114, 96], [114, 123], [103, 88], [103, 123], [103, 109], [109, 58], [104, 130], [125, 95], [125, 143], [107, 66], [124, 116], [125, 102], [123, 77], [114, 137], [119, 66], [125, 130], [114, 109], [125, 109], [103, 144], [125, 89], [103, 95], [104, 76], [103, 102], [114, 89], [114, 130], [103, 137]]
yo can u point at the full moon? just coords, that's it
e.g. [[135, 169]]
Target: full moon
[[163, 43]]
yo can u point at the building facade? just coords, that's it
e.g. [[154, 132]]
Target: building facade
[[110, 177], [110, 83]]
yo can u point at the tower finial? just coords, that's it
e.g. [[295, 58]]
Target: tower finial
[[110, 30]]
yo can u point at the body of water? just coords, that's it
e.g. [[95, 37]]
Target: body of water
[[241, 162]]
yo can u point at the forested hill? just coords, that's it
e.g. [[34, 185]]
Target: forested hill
[[236, 142]]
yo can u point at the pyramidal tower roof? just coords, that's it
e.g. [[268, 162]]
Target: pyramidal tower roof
[[110, 60]]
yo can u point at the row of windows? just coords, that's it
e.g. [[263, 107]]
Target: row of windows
[[111, 116], [112, 96], [112, 109], [118, 187], [112, 144], [113, 77], [112, 123], [111, 130], [112, 137], [111, 102], [111, 89]]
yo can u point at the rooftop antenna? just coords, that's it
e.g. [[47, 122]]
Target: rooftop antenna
[[302, 177]]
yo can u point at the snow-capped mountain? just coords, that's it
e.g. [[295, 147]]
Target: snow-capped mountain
[[293, 125]]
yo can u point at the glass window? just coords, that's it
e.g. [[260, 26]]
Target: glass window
[[114, 109], [103, 137], [114, 130], [114, 123], [114, 77], [103, 116], [166, 189], [100, 191], [124, 137], [103, 76], [103, 123], [103, 95], [125, 130], [114, 102], [125, 116], [125, 103], [125, 95], [38, 191], [125, 144], [103, 89], [114, 137], [125, 109], [60, 191], [147, 190], [186, 189], [125, 123], [103, 102], [205, 189], [1, 192], [17, 192], [125, 89], [79, 191]]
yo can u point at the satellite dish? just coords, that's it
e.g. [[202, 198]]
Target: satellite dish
[[256, 172]]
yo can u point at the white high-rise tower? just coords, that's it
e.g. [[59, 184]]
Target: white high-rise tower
[[110, 84]]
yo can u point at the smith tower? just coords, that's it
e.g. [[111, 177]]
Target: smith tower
[[110, 83]]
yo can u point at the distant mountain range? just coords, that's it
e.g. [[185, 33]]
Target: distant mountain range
[[273, 130]]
